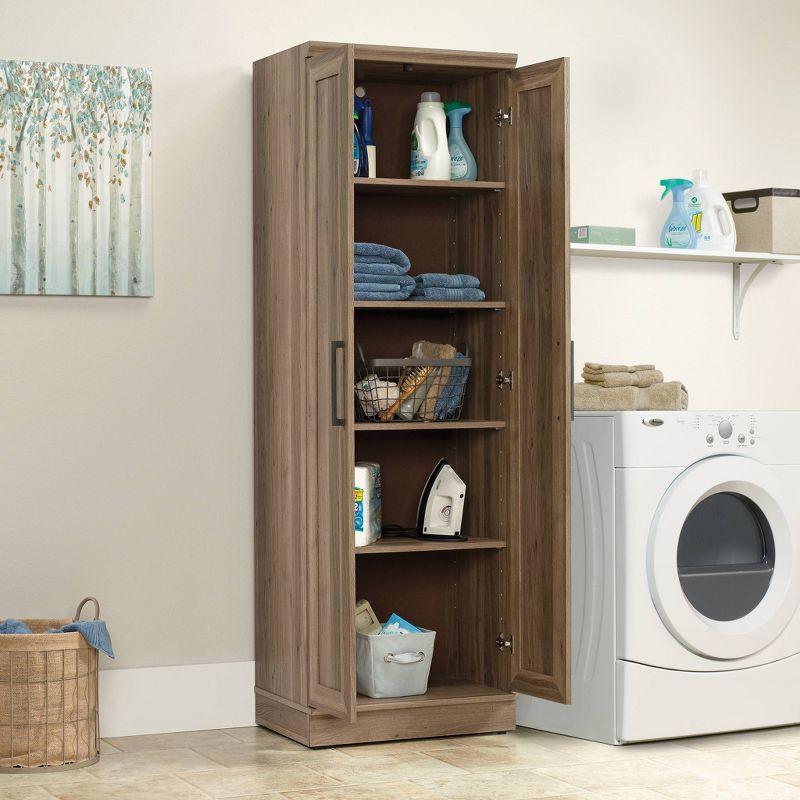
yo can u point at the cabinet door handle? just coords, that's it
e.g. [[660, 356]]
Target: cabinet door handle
[[572, 380], [336, 420]]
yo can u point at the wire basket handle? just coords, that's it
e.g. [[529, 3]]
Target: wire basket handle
[[83, 603]]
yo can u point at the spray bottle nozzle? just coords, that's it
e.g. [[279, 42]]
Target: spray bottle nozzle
[[674, 185]]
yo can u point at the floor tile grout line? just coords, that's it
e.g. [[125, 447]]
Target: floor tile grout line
[[197, 788]]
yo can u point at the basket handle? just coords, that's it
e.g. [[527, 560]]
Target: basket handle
[[83, 603], [404, 658]]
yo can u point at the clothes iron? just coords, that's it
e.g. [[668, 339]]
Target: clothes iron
[[441, 505]]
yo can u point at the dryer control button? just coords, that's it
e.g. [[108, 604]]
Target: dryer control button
[[710, 439], [725, 429], [741, 438]]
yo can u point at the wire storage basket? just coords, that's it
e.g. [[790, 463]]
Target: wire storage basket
[[48, 698], [411, 389]]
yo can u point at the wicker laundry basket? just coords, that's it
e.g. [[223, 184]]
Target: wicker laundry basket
[[48, 698]]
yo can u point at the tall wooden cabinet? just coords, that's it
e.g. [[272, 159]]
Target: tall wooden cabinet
[[500, 601]]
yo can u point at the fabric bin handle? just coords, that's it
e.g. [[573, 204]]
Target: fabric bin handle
[[404, 658]]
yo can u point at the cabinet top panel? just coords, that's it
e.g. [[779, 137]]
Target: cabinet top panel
[[418, 65]]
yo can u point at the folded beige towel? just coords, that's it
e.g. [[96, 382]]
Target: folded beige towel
[[600, 369], [671, 396], [609, 380]]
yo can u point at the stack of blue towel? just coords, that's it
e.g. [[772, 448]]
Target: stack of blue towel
[[441, 286], [380, 273]]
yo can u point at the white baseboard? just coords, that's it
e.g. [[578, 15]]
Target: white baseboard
[[185, 698]]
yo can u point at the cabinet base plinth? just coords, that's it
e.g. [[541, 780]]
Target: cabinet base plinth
[[456, 710]]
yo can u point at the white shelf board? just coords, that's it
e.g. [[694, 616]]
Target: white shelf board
[[737, 259], [675, 254]]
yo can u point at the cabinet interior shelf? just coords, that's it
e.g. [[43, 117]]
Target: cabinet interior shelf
[[420, 188], [738, 259], [456, 425], [408, 544], [430, 305], [438, 694]]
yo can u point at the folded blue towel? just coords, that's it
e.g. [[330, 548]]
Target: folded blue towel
[[402, 294], [381, 253], [441, 280], [453, 295], [14, 626], [450, 396], [366, 277], [95, 633], [377, 287], [379, 268]]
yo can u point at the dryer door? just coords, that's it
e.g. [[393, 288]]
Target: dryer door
[[723, 569]]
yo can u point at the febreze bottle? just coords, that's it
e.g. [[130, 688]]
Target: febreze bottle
[[678, 230]]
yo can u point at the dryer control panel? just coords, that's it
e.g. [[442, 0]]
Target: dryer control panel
[[679, 438], [735, 430]]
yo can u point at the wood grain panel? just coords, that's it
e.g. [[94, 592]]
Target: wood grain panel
[[328, 497], [280, 394], [537, 214]]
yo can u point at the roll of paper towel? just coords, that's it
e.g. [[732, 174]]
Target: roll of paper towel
[[367, 502]]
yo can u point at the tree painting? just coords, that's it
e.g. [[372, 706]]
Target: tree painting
[[75, 179]]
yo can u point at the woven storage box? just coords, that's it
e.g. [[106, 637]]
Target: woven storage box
[[393, 666], [48, 699], [767, 220]]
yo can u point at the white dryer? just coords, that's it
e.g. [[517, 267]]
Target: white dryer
[[685, 576]]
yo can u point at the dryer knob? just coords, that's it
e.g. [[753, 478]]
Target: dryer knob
[[725, 429]]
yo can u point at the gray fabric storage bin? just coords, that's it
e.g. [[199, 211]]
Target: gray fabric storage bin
[[393, 666], [767, 220]]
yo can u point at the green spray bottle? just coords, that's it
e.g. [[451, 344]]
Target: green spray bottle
[[678, 231]]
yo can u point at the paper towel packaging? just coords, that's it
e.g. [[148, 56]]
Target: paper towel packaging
[[367, 502]]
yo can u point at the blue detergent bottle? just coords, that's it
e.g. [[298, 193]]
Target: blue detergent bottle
[[359, 150], [678, 230], [462, 163]]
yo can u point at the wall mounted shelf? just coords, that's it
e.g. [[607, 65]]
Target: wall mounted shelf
[[738, 260]]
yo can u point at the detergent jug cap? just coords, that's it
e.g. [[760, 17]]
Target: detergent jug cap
[[700, 177], [431, 97]]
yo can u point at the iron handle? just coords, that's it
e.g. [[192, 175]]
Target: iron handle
[[336, 420]]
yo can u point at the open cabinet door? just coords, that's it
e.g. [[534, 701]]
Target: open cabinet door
[[538, 567], [331, 561]]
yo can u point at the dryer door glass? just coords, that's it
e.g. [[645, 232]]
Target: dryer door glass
[[726, 556]]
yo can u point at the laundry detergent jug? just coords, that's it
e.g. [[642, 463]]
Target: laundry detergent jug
[[711, 216], [430, 156]]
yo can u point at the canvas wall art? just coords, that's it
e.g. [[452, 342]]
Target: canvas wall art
[[75, 179]]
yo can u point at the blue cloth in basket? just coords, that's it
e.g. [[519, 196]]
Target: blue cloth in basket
[[94, 631], [449, 398], [14, 626]]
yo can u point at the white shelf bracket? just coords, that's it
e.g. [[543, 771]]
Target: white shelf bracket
[[740, 290]]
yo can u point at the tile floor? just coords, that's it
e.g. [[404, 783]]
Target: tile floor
[[256, 764]]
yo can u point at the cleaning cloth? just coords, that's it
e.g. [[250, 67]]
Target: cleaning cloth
[[609, 380], [670, 396], [442, 280], [453, 295], [14, 626]]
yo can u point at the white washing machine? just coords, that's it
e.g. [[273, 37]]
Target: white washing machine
[[685, 576]]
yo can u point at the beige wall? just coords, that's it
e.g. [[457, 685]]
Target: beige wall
[[126, 424]]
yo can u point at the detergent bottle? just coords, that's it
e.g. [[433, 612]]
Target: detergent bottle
[[462, 162], [359, 150], [711, 217], [678, 230], [430, 158], [363, 106]]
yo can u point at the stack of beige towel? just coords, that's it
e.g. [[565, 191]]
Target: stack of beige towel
[[619, 387]]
